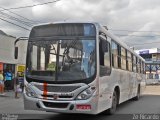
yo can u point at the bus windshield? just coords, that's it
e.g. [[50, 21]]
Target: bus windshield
[[61, 59]]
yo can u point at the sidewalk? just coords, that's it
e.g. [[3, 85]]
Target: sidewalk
[[10, 94], [152, 90], [153, 82]]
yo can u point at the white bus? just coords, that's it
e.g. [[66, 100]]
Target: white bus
[[74, 67]]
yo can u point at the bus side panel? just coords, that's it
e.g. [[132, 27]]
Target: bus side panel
[[105, 93], [125, 80], [107, 85]]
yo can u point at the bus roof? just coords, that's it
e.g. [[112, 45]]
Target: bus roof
[[99, 26]]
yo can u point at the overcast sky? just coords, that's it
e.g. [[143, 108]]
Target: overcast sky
[[132, 15]]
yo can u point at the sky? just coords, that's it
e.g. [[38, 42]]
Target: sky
[[130, 15]]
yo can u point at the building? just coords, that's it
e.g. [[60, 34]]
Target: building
[[7, 61], [152, 58]]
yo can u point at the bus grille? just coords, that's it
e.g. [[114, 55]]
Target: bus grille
[[60, 96], [58, 88], [55, 105]]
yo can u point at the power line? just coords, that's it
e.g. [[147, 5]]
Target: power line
[[131, 30], [16, 19], [32, 5], [139, 35], [143, 43], [14, 24], [20, 15]]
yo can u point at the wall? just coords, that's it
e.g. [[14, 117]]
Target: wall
[[7, 50]]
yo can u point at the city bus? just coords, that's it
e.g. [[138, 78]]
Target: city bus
[[80, 67]]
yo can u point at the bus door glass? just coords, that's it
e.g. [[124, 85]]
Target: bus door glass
[[105, 57]]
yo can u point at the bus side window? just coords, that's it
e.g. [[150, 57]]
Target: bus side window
[[134, 64], [105, 61]]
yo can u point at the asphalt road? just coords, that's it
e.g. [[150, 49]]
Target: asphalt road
[[148, 104]]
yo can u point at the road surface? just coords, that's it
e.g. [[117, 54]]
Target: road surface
[[148, 104]]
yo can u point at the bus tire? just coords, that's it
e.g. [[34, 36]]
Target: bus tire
[[138, 94], [113, 108]]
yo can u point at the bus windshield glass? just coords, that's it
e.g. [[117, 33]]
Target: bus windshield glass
[[60, 58]]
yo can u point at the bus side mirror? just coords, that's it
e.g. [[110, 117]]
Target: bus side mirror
[[16, 48], [16, 53]]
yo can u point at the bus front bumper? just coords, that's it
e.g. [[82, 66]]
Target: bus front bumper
[[88, 106]]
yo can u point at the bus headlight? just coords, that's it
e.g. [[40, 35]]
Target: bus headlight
[[86, 93], [30, 92]]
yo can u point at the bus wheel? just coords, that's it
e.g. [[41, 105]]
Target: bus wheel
[[138, 94], [113, 108]]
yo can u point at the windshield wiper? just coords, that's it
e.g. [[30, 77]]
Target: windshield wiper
[[37, 77]]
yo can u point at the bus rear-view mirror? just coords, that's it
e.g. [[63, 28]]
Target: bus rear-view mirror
[[16, 52]]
